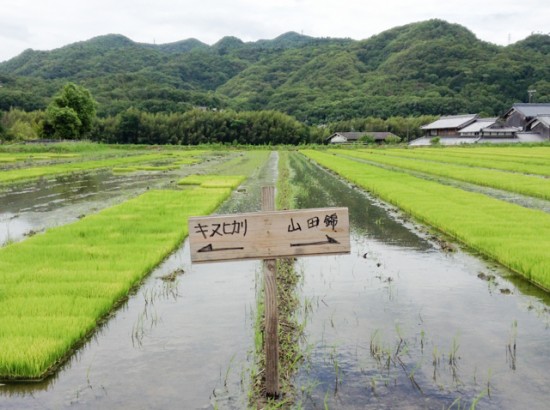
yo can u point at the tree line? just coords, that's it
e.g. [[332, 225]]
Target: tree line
[[71, 115]]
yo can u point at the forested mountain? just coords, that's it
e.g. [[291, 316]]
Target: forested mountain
[[431, 67]]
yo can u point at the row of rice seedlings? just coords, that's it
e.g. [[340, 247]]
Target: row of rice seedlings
[[57, 286], [17, 175], [511, 154], [213, 181], [537, 166], [522, 184], [517, 237], [155, 167], [84, 147], [245, 163], [32, 158], [520, 151]]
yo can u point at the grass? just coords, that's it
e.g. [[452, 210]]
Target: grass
[[56, 287], [533, 186], [517, 237], [290, 330]]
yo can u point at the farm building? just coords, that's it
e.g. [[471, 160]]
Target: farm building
[[540, 125], [350, 137], [521, 114], [448, 126], [521, 123], [475, 129]]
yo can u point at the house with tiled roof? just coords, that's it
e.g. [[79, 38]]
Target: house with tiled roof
[[522, 114], [524, 122], [353, 136], [448, 126]]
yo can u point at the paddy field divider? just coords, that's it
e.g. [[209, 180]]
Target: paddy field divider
[[516, 237], [56, 287]]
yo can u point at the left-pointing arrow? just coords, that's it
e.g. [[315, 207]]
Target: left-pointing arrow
[[210, 248]]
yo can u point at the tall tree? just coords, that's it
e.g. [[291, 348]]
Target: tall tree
[[70, 114]]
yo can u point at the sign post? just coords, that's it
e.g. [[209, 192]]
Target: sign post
[[271, 320], [269, 235]]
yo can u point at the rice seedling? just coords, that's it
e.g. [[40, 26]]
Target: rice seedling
[[213, 181], [56, 287], [473, 158], [24, 174], [522, 184], [517, 237]]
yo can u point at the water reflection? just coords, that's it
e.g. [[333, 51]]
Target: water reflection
[[367, 218], [409, 326], [181, 343]]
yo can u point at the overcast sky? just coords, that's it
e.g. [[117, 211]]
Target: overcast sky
[[49, 24]]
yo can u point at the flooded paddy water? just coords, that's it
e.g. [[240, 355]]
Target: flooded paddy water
[[398, 323], [181, 341], [403, 323]]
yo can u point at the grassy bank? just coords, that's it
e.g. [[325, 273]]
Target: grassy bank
[[517, 237], [57, 286], [290, 329]]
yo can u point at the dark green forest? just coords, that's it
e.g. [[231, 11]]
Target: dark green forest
[[428, 68]]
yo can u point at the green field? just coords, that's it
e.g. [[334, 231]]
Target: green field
[[517, 237], [139, 162], [57, 286], [529, 185]]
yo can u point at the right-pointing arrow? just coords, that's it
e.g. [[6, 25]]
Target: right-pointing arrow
[[327, 241]]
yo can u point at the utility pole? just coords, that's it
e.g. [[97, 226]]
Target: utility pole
[[531, 95]]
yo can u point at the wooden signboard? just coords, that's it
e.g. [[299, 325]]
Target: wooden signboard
[[266, 235]]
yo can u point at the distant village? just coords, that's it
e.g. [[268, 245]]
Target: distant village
[[523, 123]]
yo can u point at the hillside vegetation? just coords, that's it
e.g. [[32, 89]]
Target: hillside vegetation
[[427, 68]]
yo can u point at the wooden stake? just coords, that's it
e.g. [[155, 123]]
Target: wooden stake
[[271, 339]]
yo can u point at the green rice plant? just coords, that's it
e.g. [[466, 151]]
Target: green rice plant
[[245, 163], [522, 184], [17, 175], [213, 181], [57, 286], [6, 159], [119, 170], [517, 237], [520, 151], [471, 157]]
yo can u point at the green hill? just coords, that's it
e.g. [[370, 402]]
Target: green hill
[[431, 67]]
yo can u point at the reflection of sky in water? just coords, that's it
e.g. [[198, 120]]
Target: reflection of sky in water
[[396, 285], [183, 344], [48, 203], [12, 228]]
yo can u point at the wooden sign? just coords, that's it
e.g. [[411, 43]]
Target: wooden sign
[[265, 235]]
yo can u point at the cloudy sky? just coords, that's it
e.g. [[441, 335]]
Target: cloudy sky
[[49, 24]]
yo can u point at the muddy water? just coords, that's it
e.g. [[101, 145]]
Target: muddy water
[[47, 202], [400, 323], [181, 344]]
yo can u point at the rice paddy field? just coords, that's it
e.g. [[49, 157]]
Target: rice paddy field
[[443, 302]]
